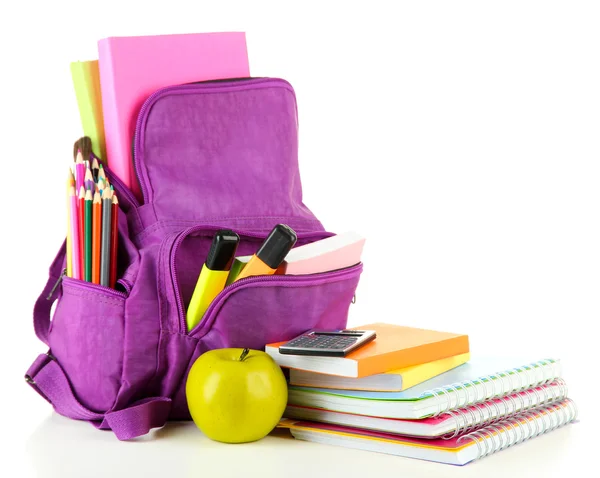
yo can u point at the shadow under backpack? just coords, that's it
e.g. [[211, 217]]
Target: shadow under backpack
[[207, 156]]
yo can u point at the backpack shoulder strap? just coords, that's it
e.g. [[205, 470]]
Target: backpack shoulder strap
[[48, 378], [43, 306]]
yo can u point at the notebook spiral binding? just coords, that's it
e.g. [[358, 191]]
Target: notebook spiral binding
[[461, 394], [521, 427], [493, 411]]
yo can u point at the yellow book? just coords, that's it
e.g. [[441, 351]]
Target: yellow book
[[86, 80], [393, 381]]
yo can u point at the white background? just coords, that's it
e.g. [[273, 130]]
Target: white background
[[462, 138]]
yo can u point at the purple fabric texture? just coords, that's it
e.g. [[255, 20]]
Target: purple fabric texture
[[208, 156]]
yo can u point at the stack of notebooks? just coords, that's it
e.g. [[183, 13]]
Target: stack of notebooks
[[418, 393]]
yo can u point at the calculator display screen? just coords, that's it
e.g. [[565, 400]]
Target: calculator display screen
[[357, 333]]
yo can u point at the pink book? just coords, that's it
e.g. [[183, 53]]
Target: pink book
[[330, 254], [132, 68]]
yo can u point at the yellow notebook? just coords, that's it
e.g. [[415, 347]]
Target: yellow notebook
[[393, 381], [86, 80]]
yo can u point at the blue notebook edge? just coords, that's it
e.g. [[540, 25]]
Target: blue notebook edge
[[477, 370]]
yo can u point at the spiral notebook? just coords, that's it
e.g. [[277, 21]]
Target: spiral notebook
[[456, 451], [476, 381], [447, 425]]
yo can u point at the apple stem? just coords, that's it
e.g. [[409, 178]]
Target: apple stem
[[244, 353]]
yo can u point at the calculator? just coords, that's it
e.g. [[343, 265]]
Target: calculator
[[336, 343]]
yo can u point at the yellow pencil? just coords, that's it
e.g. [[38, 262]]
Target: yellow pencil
[[70, 183]]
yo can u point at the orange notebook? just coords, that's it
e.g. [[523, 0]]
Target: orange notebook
[[395, 347]]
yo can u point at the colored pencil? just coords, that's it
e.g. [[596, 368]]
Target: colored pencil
[[70, 184], [114, 242], [74, 234], [89, 226], [81, 222], [106, 236], [95, 169], [101, 186], [79, 171], [70, 178], [89, 180], [96, 234], [101, 174]]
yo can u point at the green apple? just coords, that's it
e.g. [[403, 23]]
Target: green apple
[[236, 395]]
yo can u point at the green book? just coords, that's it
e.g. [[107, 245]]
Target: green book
[[238, 264], [86, 80]]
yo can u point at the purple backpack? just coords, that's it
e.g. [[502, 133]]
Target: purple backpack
[[210, 155]]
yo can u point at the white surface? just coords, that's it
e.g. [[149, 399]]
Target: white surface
[[461, 138]]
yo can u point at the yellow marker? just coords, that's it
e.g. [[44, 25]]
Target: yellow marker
[[213, 275]]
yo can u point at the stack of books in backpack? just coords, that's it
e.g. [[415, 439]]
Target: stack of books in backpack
[[419, 393]]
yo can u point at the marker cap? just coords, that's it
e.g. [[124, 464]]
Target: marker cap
[[280, 241], [222, 251]]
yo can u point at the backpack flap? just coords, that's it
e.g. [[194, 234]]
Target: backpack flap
[[222, 152]]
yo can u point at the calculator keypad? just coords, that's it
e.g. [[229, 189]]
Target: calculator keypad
[[322, 342]]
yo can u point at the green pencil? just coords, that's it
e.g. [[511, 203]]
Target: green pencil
[[88, 235]]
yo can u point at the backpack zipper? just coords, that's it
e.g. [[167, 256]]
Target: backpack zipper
[[89, 285], [287, 281], [116, 181], [97, 287], [56, 284], [173, 266]]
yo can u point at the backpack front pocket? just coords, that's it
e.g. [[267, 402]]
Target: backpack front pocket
[[248, 313]]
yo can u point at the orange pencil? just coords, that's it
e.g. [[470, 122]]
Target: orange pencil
[[96, 232], [114, 240], [81, 221]]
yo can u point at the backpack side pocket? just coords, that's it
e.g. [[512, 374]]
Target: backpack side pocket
[[86, 334], [87, 340]]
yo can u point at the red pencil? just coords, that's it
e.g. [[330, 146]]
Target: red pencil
[[81, 221], [114, 240]]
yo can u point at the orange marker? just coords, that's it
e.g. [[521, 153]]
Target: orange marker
[[271, 254]]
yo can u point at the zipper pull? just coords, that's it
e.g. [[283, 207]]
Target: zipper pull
[[56, 284]]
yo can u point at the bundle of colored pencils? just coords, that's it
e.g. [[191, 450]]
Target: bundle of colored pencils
[[92, 232]]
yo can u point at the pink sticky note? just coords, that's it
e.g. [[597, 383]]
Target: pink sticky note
[[132, 68]]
